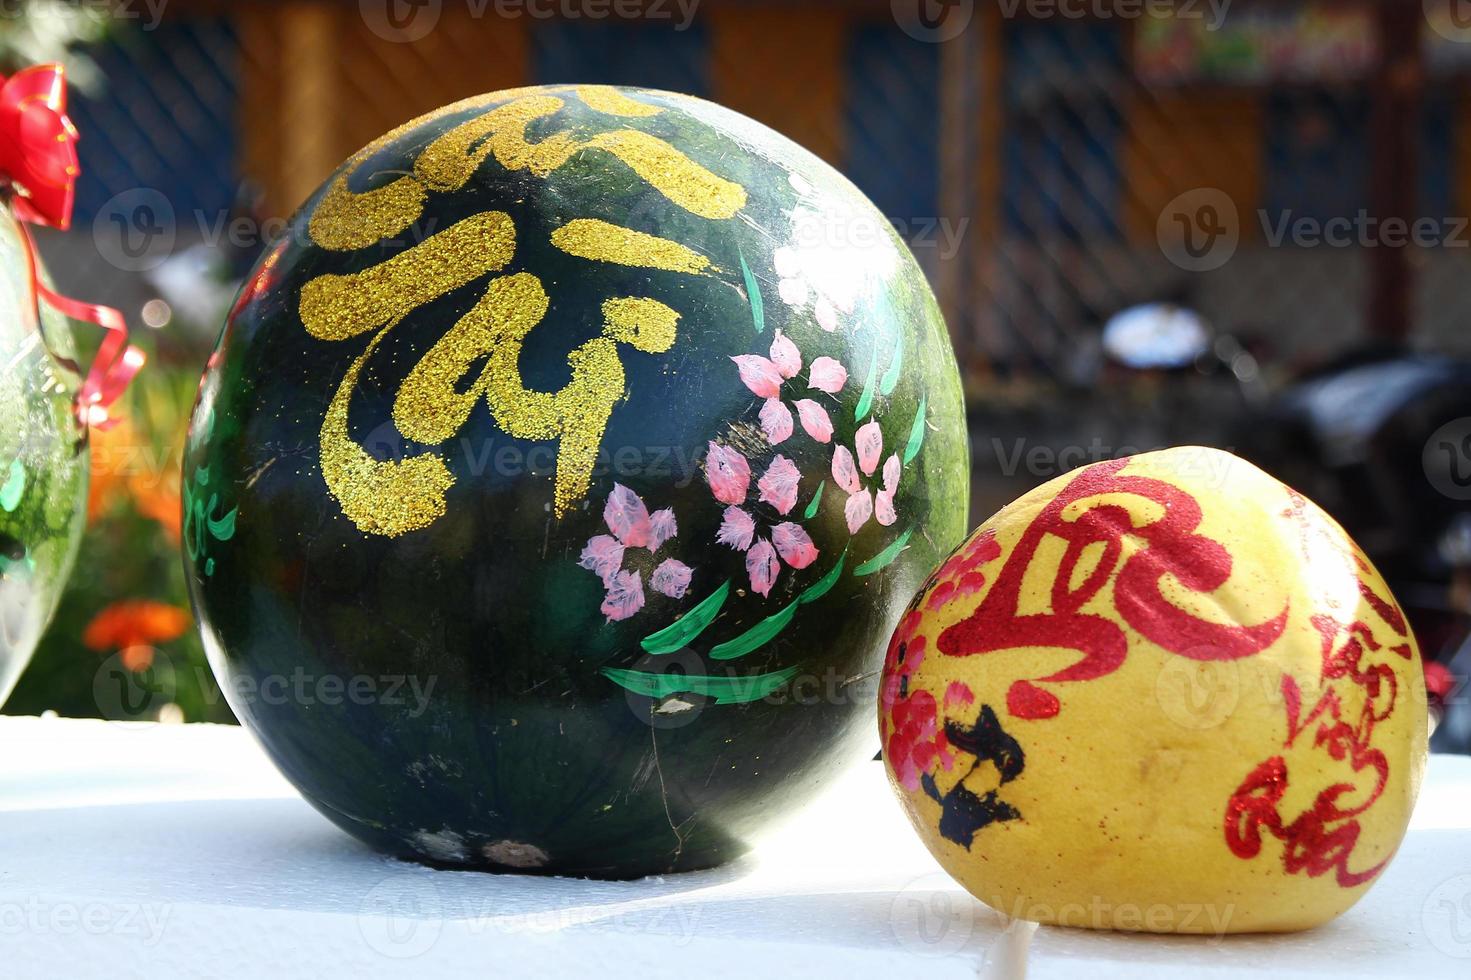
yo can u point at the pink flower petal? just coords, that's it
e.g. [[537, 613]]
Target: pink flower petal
[[785, 356], [759, 374], [827, 375], [728, 473], [793, 544], [603, 556], [857, 510], [663, 527], [793, 292], [815, 420], [827, 317], [958, 694], [779, 485], [737, 529], [625, 596], [870, 445], [628, 518], [883, 508], [762, 566], [845, 474], [671, 578], [776, 421], [892, 468], [786, 263]]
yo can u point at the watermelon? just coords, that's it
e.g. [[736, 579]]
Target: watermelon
[[43, 459], [559, 476]]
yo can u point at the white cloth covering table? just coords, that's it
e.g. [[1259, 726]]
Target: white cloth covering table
[[163, 851]]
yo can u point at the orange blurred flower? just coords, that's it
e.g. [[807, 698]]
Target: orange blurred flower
[[125, 465], [135, 623], [110, 451]]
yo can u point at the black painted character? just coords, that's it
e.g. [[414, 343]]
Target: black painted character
[[962, 812]]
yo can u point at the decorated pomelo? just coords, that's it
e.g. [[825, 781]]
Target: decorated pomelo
[[558, 481], [1161, 693], [43, 458]]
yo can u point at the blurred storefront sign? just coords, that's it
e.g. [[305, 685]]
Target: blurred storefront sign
[[1316, 41]]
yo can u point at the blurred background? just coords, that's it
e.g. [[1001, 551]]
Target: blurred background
[[1240, 223]]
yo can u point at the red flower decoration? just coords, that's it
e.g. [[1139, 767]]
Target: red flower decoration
[[38, 153], [961, 575]]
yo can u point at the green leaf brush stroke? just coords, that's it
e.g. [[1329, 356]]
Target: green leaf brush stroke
[[725, 690], [885, 557], [679, 634], [916, 433], [753, 293]]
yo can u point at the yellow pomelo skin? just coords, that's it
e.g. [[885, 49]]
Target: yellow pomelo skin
[[1164, 693]]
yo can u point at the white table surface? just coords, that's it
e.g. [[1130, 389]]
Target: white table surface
[[177, 851]]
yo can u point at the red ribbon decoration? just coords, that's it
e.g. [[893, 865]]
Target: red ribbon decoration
[[38, 173]]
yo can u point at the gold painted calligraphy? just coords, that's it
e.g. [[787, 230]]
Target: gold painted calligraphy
[[392, 497]]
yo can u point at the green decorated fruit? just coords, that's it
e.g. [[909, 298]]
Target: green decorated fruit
[[559, 478], [43, 459]]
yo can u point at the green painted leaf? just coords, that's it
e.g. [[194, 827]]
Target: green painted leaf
[[757, 636], [753, 293], [823, 585], [224, 528], [15, 486], [725, 690], [678, 634], [865, 402], [885, 557], [891, 376], [811, 510], [916, 433]]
